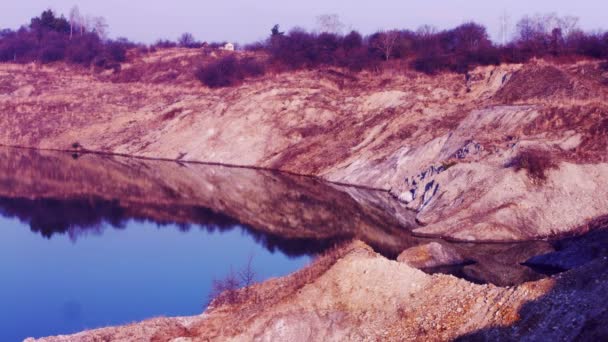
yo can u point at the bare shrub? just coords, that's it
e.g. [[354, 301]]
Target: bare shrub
[[224, 291], [227, 290], [247, 275], [187, 40], [222, 73], [229, 71], [534, 162], [163, 44]]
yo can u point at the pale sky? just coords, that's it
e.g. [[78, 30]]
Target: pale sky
[[246, 21]]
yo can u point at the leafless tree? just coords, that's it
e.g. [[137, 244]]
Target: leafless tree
[[248, 274], [386, 41], [225, 290], [567, 25], [505, 28], [99, 26], [186, 40], [75, 21], [426, 31], [330, 23], [534, 27]]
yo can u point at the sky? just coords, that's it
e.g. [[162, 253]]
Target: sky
[[244, 21]]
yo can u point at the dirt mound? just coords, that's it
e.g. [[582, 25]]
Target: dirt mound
[[355, 294], [535, 82]]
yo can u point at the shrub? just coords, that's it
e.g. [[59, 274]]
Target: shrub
[[295, 50], [187, 40], [117, 51], [250, 67], [51, 53], [256, 46], [428, 63], [352, 41], [83, 49], [18, 47], [227, 289], [163, 44], [229, 71], [222, 73], [534, 162]]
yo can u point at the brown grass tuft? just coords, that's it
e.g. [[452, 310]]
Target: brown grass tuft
[[535, 162]]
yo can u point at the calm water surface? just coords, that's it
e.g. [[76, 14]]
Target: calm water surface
[[63, 285]]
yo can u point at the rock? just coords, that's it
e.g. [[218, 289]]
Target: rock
[[406, 197], [573, 252], [431, 255]]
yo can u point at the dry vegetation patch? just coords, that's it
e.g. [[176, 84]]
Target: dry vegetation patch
[[244, 304], [535, 162], [535, 82]]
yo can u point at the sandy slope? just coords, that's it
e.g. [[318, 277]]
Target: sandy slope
[[390, 131]]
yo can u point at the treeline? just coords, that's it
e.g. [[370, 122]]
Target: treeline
[[50, 38], [80, 40], [426, 50]]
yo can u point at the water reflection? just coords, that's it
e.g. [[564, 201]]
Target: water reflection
[[57, 194], [208, 217], [54, 193], [58, 286]]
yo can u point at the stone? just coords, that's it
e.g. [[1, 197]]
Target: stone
[[430, 255]]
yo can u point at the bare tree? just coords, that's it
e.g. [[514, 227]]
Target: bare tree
[[99, 26], [539, 25], [225, 290], [385, 41], [248, 274], [505, 28], [186, 40], [425, 31], [568, 25], [75, 20], [330, 23]]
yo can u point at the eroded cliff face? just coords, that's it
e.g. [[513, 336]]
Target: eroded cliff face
[[441, 144]]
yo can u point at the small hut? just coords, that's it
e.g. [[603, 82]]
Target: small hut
[[228, 47]]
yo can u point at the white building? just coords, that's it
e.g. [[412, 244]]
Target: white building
[[228, 47]]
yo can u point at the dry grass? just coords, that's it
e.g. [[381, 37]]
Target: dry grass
[[534, 82], [590, 120], [534, 162], [250, 301], [257, 294]]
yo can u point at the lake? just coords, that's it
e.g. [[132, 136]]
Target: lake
[[90, 240], [61, 284]]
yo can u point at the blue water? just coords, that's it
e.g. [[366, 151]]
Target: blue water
[[107, 276]]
